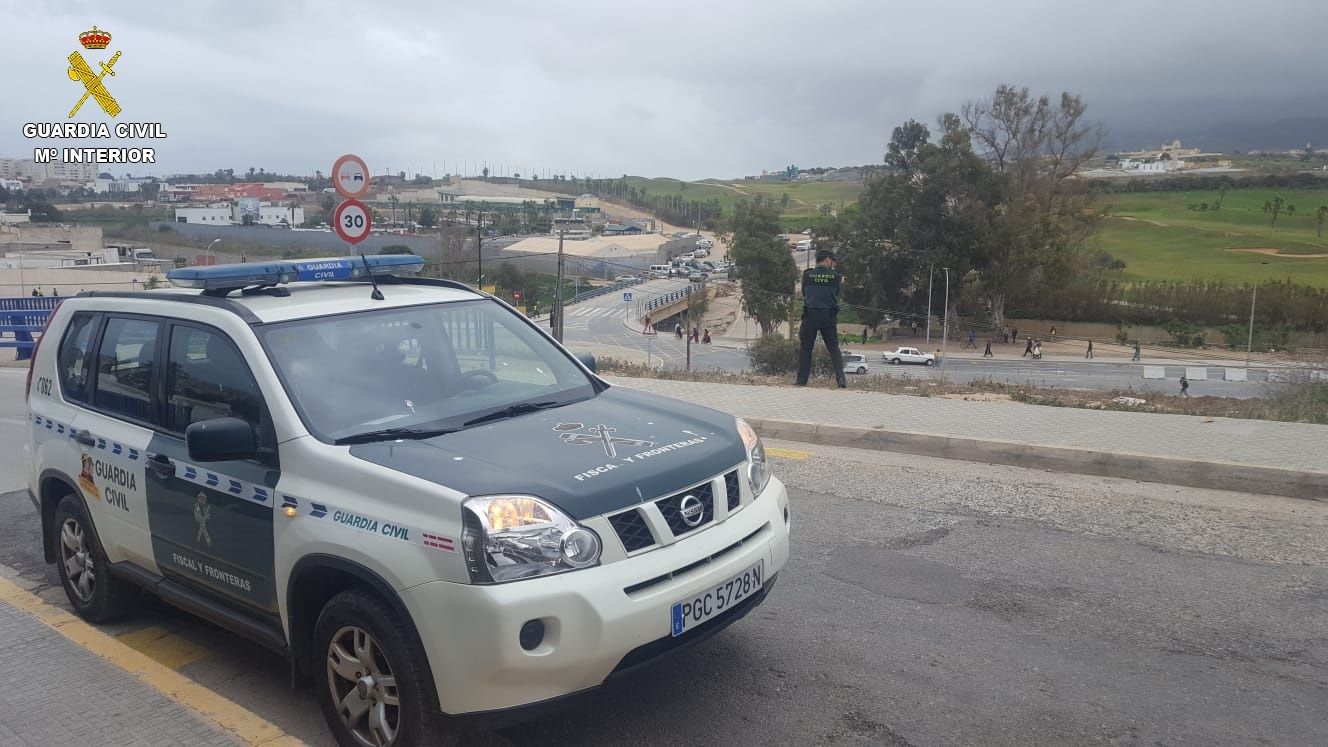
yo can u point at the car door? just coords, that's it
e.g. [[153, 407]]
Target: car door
[[113, 431], [212, 522]]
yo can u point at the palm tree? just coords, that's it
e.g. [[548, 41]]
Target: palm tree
[[1277, 205]]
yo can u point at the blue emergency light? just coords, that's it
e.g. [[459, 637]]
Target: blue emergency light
[[231, 277]]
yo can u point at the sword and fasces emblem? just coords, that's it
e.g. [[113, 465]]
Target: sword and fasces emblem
[[573, 433], [80, 71]]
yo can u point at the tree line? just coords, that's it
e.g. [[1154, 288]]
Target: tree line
[[671, 208]]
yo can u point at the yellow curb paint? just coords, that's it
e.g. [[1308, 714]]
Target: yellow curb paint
[[164, 647], [775, 451], [210, 706]]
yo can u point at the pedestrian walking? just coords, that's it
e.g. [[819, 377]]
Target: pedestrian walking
[[696, 334], [915, 329], [821, 286], [973, 339], [1184, 386], [1089, 354], [1037, 350], [677, 330], [1053, 333], [705, 337], [1028, 347], [55, 292], [1136, 351], [36, 292], [864, 335], [1014, 334], [987, 353]]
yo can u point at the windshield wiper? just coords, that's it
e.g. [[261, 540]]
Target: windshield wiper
[[393, 434], [520, 408]]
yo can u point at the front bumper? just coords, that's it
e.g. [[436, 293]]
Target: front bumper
[[598, 622]]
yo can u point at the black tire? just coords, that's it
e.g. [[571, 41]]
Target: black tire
[[862, 369], [414, 715], [928, 362], [894, 361], [100, 597]]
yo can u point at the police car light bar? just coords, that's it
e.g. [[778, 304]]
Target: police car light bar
[[223, 277]]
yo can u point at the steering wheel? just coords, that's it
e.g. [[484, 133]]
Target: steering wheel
[[478, 373]]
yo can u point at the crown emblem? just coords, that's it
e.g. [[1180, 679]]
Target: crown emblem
[[94, 39]]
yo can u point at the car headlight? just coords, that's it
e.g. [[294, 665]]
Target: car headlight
[[758, 467], [511, 537]]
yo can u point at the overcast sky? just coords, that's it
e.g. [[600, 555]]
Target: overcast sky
[[685, 89]]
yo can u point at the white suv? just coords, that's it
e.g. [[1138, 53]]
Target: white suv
[[415, 494]]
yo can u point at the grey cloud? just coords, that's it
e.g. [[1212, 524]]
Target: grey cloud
[[688, 89]]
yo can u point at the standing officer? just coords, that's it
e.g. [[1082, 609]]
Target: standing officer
[[820, 313]]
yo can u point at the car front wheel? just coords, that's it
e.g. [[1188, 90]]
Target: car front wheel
[[928, 362], [862, 369], [373, 684], [894, 361]]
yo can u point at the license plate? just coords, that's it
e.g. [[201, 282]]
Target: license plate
[[697, 609]]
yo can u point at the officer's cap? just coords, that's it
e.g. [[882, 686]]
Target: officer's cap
[[824, 254]]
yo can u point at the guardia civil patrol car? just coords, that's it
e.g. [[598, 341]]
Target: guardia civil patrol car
[[400, 484]]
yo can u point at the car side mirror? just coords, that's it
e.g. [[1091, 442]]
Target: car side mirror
[[588, 361], [221, 440]]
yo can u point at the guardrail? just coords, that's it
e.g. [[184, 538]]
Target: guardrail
[[587, 294], [23, 319]]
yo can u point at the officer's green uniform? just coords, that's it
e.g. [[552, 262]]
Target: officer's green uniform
[[820, 313]]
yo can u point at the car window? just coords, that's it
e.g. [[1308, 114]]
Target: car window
[[72, 357], [207, 378], [433, 366], [125, 360]]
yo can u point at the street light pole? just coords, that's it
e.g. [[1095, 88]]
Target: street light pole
[[208, 251], [931, 271], [945, 328]]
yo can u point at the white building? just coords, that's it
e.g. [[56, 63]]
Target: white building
[[116, 186], [213, 215], [234, 214], [13, 185], [26, 168]]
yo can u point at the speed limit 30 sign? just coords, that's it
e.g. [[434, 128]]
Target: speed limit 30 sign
[[352, 221]]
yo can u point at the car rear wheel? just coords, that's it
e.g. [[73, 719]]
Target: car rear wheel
[[894, 361], [93, 592], [374, 691]]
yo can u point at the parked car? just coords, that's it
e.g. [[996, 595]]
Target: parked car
[[908, 355], [696, 276], [419, 525], [855, 363]]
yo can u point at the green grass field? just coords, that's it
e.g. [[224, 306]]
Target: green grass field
[[1160, 239], [803, 196]]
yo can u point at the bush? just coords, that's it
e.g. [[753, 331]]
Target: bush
[[163, 228], [772, 354], [1184, 334]]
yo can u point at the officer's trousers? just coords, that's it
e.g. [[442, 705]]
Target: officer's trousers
[[822, 321]]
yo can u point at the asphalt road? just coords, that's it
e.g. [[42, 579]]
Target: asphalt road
[[599, 321], [934, 602]]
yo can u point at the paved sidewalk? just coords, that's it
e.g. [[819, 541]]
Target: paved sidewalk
[[62, 694], [1257, 443]]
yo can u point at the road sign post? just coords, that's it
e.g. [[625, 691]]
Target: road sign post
[[649, 332]]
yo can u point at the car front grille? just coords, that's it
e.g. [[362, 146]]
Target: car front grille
[[632, 530], [671, 507]]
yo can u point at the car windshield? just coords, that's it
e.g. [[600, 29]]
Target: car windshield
[[419, 369]]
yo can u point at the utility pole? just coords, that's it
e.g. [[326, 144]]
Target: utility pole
[[558, 294], [479, 248], [931, 271], [1249, 341], [687, 326], [945, 329]]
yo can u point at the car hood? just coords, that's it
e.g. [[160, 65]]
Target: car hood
[[614, 450]]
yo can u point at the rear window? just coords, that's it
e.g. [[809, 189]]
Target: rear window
[[72, 357], [125, 361]]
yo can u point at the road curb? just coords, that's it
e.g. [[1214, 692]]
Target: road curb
[[1218, 475]]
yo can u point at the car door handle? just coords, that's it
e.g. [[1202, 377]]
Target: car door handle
[[85, 438], [162, 466]]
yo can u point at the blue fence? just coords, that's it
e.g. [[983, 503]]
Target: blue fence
[[668, 298], [583, 295], [22, 320]]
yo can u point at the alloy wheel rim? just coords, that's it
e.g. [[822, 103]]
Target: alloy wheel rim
[[80, 571], [363, 687]]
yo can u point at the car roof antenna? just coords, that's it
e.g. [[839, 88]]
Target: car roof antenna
[[377, 295]]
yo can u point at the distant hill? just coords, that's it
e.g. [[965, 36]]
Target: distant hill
[[1226, 137]]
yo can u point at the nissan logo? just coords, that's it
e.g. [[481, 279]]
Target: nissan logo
[[692, 510]]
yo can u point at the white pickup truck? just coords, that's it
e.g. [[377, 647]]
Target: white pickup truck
[[908, 355]]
